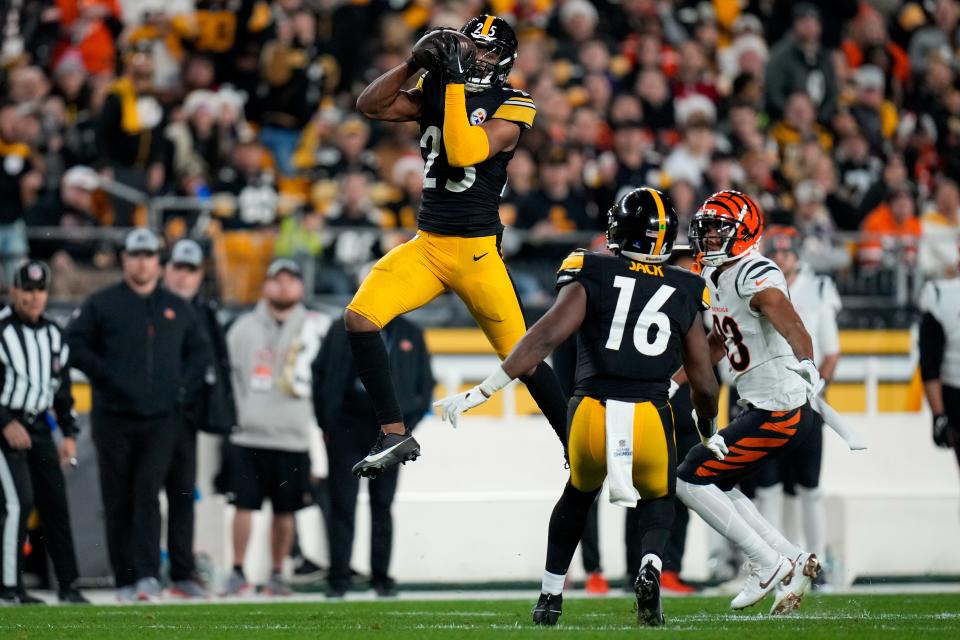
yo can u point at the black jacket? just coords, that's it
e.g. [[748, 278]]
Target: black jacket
[[214, 411], [338, 393], [143, 355]]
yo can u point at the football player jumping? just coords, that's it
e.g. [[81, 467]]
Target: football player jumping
[[636, 320], [757, 328], [470, 124]]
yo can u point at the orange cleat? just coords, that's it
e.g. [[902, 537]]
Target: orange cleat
[[597, 584], [670, 581]]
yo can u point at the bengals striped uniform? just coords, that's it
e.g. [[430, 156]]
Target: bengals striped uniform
[[778, 417]]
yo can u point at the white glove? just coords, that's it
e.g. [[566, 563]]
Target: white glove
[[811, 377], [716, 445], [673, 389], [452, 406]]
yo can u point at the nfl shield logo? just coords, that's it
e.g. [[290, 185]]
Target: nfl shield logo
[[623, 443], [35, 272], [478, 116]]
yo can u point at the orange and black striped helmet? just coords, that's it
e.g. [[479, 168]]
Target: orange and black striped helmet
[[733, 219]]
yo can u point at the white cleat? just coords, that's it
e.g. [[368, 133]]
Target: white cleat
[[791, 593], [761, 581]]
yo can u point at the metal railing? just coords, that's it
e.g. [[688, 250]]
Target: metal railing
[[894, 282]]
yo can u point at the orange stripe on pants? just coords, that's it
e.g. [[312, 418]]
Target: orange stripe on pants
[[762, 443]]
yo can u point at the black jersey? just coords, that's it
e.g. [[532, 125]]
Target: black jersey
[[465, 201], [637, 314]]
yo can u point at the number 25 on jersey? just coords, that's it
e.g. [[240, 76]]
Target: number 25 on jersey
[[431, 140]]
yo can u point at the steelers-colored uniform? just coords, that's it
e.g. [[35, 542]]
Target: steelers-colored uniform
[[457, 244], [628, 348]]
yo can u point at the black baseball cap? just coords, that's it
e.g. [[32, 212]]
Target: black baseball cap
[[32, 276]]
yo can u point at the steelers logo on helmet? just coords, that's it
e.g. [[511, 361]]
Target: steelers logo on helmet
[[496, 51], [727, 227], [642, 226]]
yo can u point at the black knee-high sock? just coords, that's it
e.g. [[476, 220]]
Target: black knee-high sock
[[655, 518], [545, 388], [372, 364], [566, 527]]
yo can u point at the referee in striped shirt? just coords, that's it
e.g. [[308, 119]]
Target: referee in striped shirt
[[34, 398]]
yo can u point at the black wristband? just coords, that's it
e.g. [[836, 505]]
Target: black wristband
[[412, 65]]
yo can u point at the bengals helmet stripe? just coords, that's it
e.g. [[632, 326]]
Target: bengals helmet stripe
[[486, 25], [662, 215]]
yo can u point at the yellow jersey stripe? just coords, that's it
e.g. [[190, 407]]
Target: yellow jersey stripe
[[706, 298], [486, 25], [524, 115], [662, 215], [522, 98], [526, 105]]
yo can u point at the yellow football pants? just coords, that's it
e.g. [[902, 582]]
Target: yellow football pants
[[417, 271], [654, 447]]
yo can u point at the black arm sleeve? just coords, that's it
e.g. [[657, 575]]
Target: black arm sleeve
[[932, 342]]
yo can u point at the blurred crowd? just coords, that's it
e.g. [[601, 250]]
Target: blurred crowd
[[238, 116]]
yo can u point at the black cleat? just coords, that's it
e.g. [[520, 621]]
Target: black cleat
[[72, 595], [548, 609], [647, 589], [389, 449]]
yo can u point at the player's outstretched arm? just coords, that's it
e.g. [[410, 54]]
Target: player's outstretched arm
[[385, 99], [563, 318], [556, 325], [773, 304], [704, 389]]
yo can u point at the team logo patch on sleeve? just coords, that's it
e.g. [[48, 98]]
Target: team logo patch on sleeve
[[479, 116]]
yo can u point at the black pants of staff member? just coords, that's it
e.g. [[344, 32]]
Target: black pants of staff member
[[345, 445], [50, 499], [180, 486], [40, 483], [133, 456]]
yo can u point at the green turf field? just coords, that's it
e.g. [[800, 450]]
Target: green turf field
[[860, 616]]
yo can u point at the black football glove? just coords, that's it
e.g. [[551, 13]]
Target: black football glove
[[453, 66], [941, 431]]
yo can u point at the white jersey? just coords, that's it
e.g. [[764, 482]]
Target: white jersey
[[757, 353], [941, 299], [817, 302]]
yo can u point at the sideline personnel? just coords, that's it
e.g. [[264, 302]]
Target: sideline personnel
[[144, 353], [212, 412], [34, 379]]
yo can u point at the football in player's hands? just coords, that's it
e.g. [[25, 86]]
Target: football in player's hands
[[424, 52], [428, 51]]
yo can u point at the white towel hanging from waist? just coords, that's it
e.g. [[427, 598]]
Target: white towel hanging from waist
[[619, 428]]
